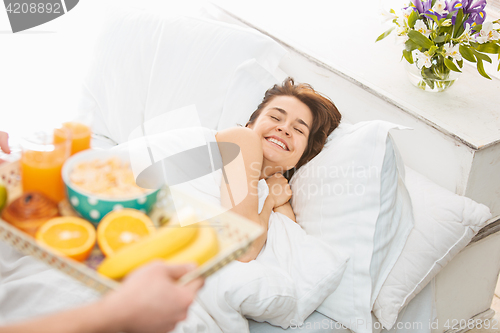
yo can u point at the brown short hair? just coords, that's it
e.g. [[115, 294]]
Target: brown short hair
[[326, 116]]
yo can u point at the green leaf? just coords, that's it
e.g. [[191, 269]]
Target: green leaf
[[408, 56], [458, 23], [433, 17], [412, 19], [420, 39], [439, 39], [477, 27], [451, 65], [427, 76], [385, 34], [460, 63], [446, 31], [481, 56], [466, 52], [410, 45], [480, 69], [489, 47]]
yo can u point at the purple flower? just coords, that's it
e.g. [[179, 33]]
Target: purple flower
[[475, 7], [432, 12], [468, 6], [454, 6], [473, 11], [422, 5], [475, 18]]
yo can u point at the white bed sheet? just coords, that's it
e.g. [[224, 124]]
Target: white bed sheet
[[417, 317], [31, 288]]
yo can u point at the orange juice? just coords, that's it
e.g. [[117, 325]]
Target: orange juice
[[41, 164], [80, 136]]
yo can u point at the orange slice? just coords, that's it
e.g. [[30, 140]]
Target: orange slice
[[120, 228], [71, 236]]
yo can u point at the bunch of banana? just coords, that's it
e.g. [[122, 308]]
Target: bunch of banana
[[175, 244]]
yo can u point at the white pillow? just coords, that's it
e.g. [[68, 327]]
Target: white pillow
[[353, 197], [146, 65], [246, 91], [444, 224]]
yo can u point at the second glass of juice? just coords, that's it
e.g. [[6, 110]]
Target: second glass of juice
[[80, 136]]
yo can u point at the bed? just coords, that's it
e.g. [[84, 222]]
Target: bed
[[396, 228]]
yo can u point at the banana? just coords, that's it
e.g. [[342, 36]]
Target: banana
[[203, 248], [164, 242]]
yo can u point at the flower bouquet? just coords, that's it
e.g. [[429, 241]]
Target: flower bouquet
[[439, 34]]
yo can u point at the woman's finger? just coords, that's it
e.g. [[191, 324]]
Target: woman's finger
[[4, 142]]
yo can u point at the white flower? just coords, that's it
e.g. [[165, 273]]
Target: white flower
[[407, 12], [401, 39], [452, 51], [466, 35], [446, 23], [422, 28], [487, 33], [401, 29], [387, 16], [423, 59], [401, 22], [440, 7]]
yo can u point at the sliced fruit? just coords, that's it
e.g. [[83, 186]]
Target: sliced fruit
[[71, 236], [204, 247], [120, 228], [160, 244]]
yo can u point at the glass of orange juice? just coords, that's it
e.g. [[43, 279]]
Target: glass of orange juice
[[42, 159], [80, 136]]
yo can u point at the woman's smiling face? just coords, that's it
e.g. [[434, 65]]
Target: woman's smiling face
[[283, 126]]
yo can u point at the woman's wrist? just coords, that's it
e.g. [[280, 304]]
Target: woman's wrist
[[271, 200]]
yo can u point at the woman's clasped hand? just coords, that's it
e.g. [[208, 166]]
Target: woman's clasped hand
[[279, 189]]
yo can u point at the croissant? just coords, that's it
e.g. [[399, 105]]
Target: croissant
[[30, 211]]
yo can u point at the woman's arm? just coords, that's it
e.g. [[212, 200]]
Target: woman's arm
[[281, 192], [286, 210], [239, 189]]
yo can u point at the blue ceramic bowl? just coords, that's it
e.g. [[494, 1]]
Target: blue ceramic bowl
[[94, 207]]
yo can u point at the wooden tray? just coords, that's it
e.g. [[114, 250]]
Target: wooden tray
[[235, 235]]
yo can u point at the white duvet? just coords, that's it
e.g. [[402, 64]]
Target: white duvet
[[290, 278]]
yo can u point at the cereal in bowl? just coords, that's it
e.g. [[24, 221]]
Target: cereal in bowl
[[110, 178]]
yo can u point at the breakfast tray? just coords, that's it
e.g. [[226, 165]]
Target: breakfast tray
[[234, 232]]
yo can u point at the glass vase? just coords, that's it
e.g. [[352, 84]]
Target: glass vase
[[436, 78]]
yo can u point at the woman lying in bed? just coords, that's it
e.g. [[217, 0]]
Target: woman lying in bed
[[288, 129]]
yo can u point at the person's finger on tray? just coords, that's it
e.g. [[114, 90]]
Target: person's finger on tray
[[4, 142]]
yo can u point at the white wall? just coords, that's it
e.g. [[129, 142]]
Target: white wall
[[41, 68]]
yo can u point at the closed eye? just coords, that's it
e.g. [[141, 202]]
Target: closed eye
[[298, 130], [275, 118]]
